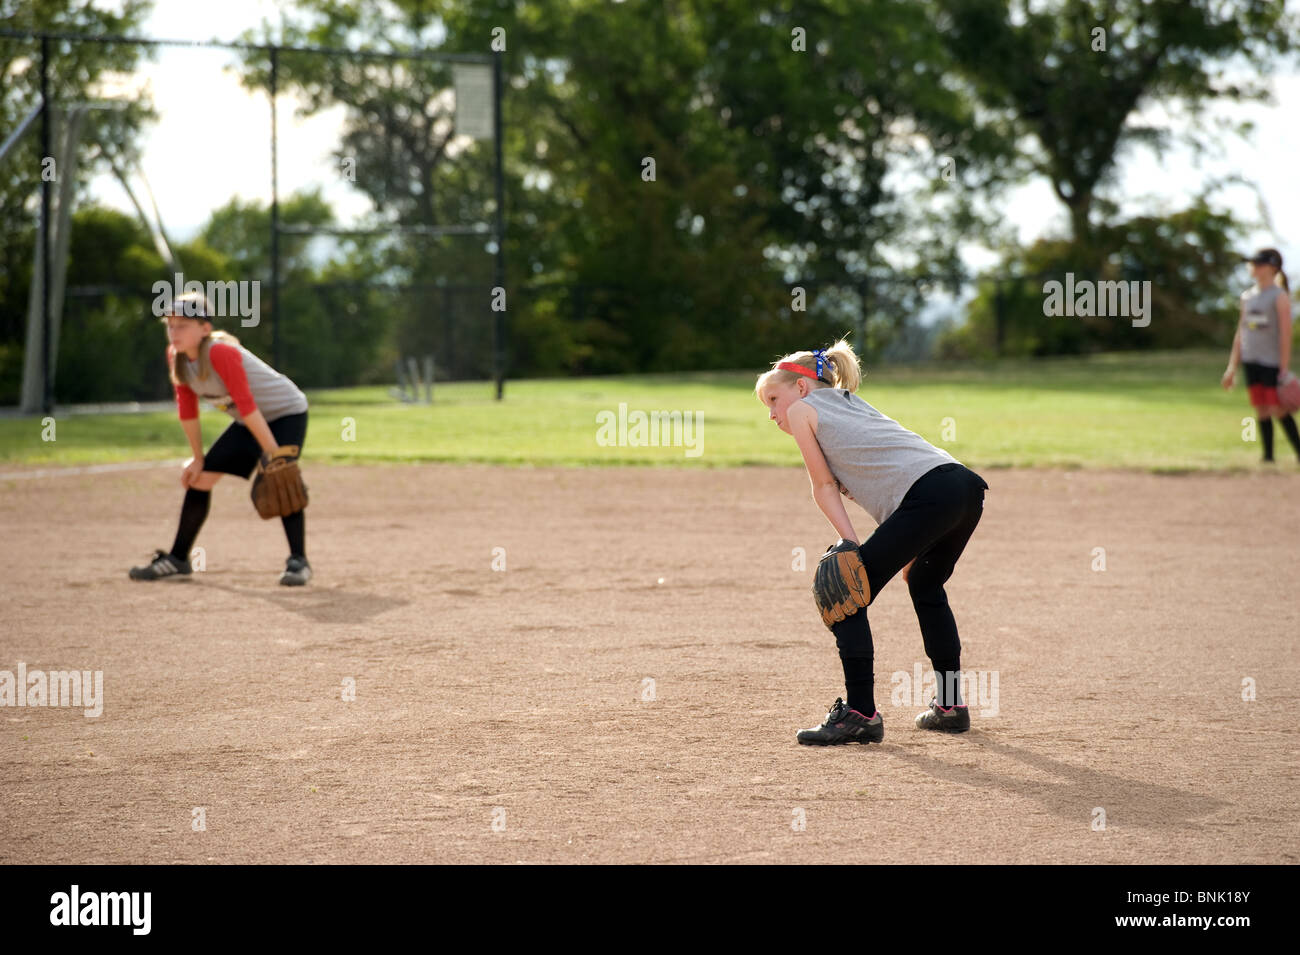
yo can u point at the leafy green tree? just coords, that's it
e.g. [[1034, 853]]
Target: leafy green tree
[[1188, 257], [327, 339], [1070, 78], [773, 129], [111, 346], [75, 72]]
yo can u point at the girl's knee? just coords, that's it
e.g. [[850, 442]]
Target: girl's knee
[[925, 584], [206, 480], [924, 589]]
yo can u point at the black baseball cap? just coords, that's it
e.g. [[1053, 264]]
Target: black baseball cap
[[1266, 257], [189, 305]]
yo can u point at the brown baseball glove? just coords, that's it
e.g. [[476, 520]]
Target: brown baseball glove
[[840, 585], [278, 488]]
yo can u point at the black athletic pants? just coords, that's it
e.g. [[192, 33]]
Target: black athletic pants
[[932, 524]]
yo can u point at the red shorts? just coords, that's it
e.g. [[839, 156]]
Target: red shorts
[[1262, 396], [1261, 383]]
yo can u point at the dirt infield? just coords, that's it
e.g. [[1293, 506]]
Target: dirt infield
[[508, 715]]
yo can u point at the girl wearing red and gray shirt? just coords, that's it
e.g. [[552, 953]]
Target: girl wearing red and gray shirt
[[1263, 347], [268, 409]]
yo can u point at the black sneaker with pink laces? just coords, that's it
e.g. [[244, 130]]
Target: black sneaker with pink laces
[[954, 719], [844, 725]]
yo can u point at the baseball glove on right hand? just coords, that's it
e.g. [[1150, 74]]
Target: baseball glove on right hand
[[1288, 392], [278, 489], [840, 584]]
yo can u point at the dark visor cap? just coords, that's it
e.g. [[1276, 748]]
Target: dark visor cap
[[1266, 257]]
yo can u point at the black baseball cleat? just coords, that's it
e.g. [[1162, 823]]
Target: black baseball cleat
[[296, 572], [844, 725], [955, 719], [161, 567]]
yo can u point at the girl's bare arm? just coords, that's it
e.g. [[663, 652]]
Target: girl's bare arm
[[255, 423], [825, 489], [1284, 330], [194, 435]]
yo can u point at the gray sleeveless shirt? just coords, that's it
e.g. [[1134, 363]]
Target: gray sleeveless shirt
[[872, 455], [1259, 326]]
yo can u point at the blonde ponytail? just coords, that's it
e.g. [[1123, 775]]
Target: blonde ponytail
[[840, 369], [1280, 279], [847, 371]]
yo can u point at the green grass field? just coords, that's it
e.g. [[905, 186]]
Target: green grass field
[[1162, 411]]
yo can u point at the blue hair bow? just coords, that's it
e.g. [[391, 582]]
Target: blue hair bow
[[821, 357]]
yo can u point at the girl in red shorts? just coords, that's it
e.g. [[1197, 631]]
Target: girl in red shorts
[[1263, 346]]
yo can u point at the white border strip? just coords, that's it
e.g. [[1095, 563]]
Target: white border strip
[[90, 469]]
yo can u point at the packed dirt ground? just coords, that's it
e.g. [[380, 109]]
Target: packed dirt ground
[[610, 666]]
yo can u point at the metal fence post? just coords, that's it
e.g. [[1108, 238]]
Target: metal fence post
[[864, 292], [276, 342], [499, 326], [47, 360], [999, 317]]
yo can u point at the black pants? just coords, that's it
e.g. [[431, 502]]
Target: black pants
[[1260, 374], [236, 451], [932, 524]]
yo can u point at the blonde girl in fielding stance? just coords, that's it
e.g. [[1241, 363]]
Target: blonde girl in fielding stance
[[269, 412], [925, 502]]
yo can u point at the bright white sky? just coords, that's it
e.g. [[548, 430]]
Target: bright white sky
[[213, 143]]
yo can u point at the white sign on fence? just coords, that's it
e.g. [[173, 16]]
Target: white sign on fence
[[473, 84]]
